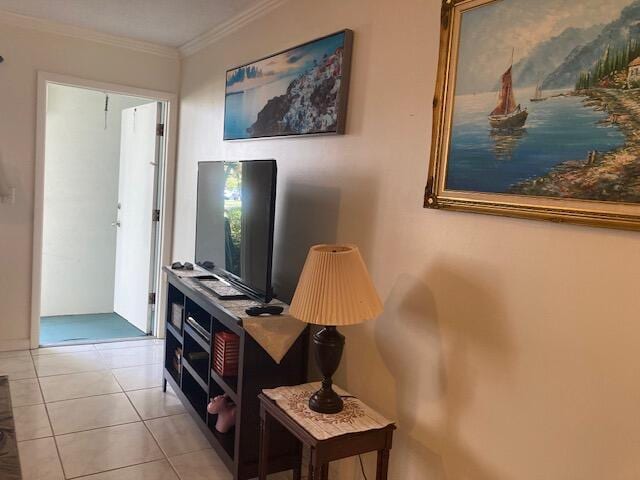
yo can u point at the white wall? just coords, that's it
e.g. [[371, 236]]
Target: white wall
[[26, 51], [508, 348], [80, 200]]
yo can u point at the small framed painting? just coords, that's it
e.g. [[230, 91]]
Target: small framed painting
[[537, 111], [300, 91]]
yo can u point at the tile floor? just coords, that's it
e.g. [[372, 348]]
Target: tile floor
[[90, 413]]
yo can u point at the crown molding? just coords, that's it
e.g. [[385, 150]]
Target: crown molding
[[235, 23], [48, 26]]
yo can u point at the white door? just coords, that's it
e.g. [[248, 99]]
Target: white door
[[136, 201]]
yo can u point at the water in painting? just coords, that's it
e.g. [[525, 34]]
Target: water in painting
[[295, 92], [548, 102]]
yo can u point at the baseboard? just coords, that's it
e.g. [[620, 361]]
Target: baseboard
[[9, 345]]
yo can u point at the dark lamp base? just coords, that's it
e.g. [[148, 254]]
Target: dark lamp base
[[329, 344], [326, 401]]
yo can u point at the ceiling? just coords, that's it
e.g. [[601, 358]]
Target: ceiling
[[171, 23]]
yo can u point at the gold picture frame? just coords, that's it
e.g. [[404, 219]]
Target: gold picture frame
[[586, 211]]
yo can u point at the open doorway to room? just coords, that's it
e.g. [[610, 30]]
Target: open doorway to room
[[102, 193]]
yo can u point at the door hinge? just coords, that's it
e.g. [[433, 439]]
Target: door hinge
[[155, 216], [152, 298], [160, 129]]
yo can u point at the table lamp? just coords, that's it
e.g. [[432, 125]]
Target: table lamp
[[334, 289]]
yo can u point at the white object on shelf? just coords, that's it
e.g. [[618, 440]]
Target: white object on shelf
[[9, 197]]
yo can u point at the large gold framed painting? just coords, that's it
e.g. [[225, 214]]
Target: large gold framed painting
[[537, 110]]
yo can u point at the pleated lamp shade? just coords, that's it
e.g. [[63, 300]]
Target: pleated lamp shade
[[335, 288]]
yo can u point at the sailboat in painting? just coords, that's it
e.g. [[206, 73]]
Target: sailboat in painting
[[507, 114], [537, 96]]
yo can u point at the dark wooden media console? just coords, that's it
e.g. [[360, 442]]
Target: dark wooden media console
[[193, 379]]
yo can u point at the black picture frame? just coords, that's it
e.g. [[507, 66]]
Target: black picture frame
[[340, 103]]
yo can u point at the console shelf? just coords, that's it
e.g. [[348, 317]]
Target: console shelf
[[198, 338], [228, 384], [174, 331], [195, 376], [195, 381]]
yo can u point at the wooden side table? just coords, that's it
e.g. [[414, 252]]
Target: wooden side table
[[333, 444]]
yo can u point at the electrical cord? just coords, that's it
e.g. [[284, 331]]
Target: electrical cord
[[364, 475]]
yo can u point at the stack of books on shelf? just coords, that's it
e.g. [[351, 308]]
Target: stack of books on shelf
[[197, 357]]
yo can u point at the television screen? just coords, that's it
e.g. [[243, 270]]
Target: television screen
[[234, 222]]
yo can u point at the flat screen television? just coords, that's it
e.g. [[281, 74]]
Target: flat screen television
[[234, 223]]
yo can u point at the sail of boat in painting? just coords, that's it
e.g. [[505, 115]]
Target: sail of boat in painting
[[507, 114], [537, 96]]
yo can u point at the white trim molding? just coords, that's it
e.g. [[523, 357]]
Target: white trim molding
[[48, 26], [258, 10], [168, 188]]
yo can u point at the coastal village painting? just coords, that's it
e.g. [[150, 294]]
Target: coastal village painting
[[541, 100], [300, 91]]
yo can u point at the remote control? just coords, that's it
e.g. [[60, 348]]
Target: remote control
[[268, 309]]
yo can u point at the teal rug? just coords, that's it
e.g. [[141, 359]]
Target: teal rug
[[97, 326]]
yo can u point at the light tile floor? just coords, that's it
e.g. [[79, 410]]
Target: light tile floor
[[97, 412], [84, 412]]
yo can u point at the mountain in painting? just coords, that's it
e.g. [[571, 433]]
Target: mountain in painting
[[583, 58], [549, 55]]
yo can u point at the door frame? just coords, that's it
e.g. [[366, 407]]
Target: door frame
[[167, 187]]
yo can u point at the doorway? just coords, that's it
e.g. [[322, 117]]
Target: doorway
[[104, 163]]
